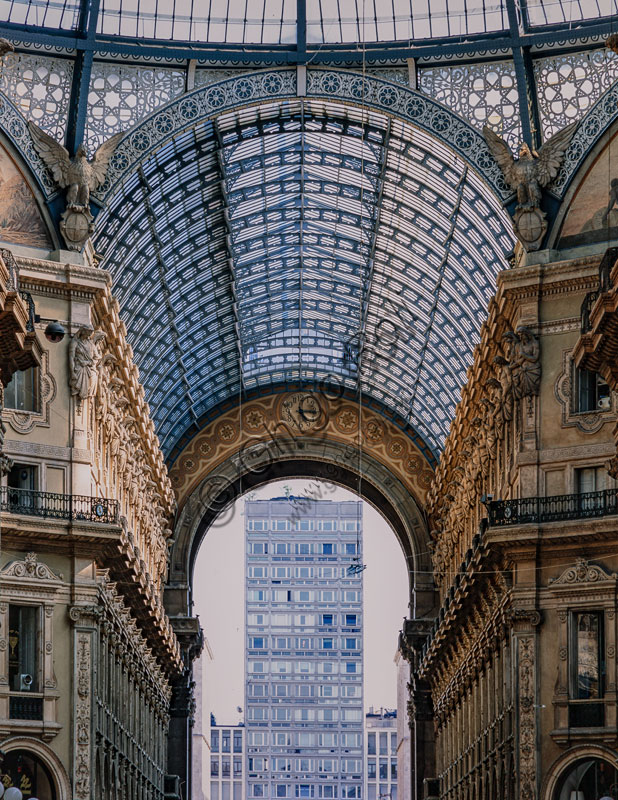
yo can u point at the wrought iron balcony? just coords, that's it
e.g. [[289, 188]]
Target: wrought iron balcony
[[553, 508], [22, 707], [58, 506]]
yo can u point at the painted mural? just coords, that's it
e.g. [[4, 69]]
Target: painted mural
[[20, 219], [593, 215]]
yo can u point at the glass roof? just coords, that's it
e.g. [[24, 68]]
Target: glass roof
[[307, 241], [274, 22]]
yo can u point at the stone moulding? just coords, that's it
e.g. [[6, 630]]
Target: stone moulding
[[583, 572]]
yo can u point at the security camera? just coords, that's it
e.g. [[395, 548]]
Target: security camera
[[54, 332], [25, 682]]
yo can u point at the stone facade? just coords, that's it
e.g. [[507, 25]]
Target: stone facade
[[520, 662]]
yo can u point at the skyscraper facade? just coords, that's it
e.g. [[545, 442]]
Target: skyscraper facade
[[304, 649]]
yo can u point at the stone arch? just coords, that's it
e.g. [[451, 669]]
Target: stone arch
[[250, 446], [564, 761], [268, 86], [48, 757], [590, 151]]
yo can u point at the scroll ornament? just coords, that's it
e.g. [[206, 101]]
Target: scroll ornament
[[79, 176], [527, 176]]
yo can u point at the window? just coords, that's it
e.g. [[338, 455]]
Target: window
[[351, 620], [282, 548], [23, 478], [350, 548], [371, 744], [258, 525], [328, 549], [22, 391], [393, 769], [257, 641], [281, 714], [281, 525], [225, 791], [282, 790], [327, 644], [589, 481], [304, 790], [256, 595], [237, 764], [23, 647], [327, 619], [371, 768], [225, 767], [258, 548], [214, 767], [225, 741], [393, 744], [258, 572], [304, 525], [237, 791], [351, 643], [383, 769], [302, 549], [586, 662], [214, 791], [214, 741], [352, 668], [384, 743], [257, 790], [593, 393]]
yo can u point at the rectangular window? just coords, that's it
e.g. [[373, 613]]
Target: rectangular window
[[327, 644], [371, 768], [282, 790], [351, 643], [393, 744], [225, 767], [371, 744], [593, 393], [383, 769], [587, 667], [225, 791], [327, 619], [384, 743], [304, 525], [225, 741], [258, 548], [237, 791], [256, 595], [23, 648], [328, 549], [237, 765], [281, 525], [22, 391], [351, 620], [350, 548], [214, 741], [302, 549], [258, 525], [282, 548], [214, 790], [214, 767]]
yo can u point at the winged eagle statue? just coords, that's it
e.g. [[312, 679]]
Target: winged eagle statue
[[79, 176], [527, 176]]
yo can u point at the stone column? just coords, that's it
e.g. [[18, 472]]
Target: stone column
[[525, 623], [420, 706], [182, 705], [85, 657]]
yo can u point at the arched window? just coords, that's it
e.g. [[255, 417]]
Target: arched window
[[28, 773], [589, 779]]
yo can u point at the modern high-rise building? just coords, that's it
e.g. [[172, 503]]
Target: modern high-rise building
[[304, 649], [381, 754]]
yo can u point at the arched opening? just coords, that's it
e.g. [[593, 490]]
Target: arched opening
[[588, 778], [23, 770], [300, 588]]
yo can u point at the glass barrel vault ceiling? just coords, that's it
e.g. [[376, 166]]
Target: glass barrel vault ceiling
[[273, 22], [303, 240]]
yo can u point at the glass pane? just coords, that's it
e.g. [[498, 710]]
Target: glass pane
[[23, 667], [587, 676]]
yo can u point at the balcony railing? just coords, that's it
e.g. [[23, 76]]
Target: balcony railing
[[58, 506], [21, 707], [554, 508]]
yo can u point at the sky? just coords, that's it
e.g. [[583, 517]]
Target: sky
[[219, 596]]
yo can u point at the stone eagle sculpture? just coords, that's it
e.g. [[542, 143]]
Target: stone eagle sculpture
[[533, 170], [78, 175]]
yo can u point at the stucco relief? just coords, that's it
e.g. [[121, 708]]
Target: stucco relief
[[25, 421], [564, 392], [20, 219], [259, 423]]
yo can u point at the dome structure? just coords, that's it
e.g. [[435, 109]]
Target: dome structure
[[303, 195]]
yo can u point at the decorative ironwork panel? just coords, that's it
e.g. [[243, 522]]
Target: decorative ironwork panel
[[58, 506], [21, 707], [204, 77], [40, 88], [569, 85], [394, 74], [483, 94], [553, 509], [121, 96]]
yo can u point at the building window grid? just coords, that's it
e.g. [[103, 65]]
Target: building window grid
[[348, 673]]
